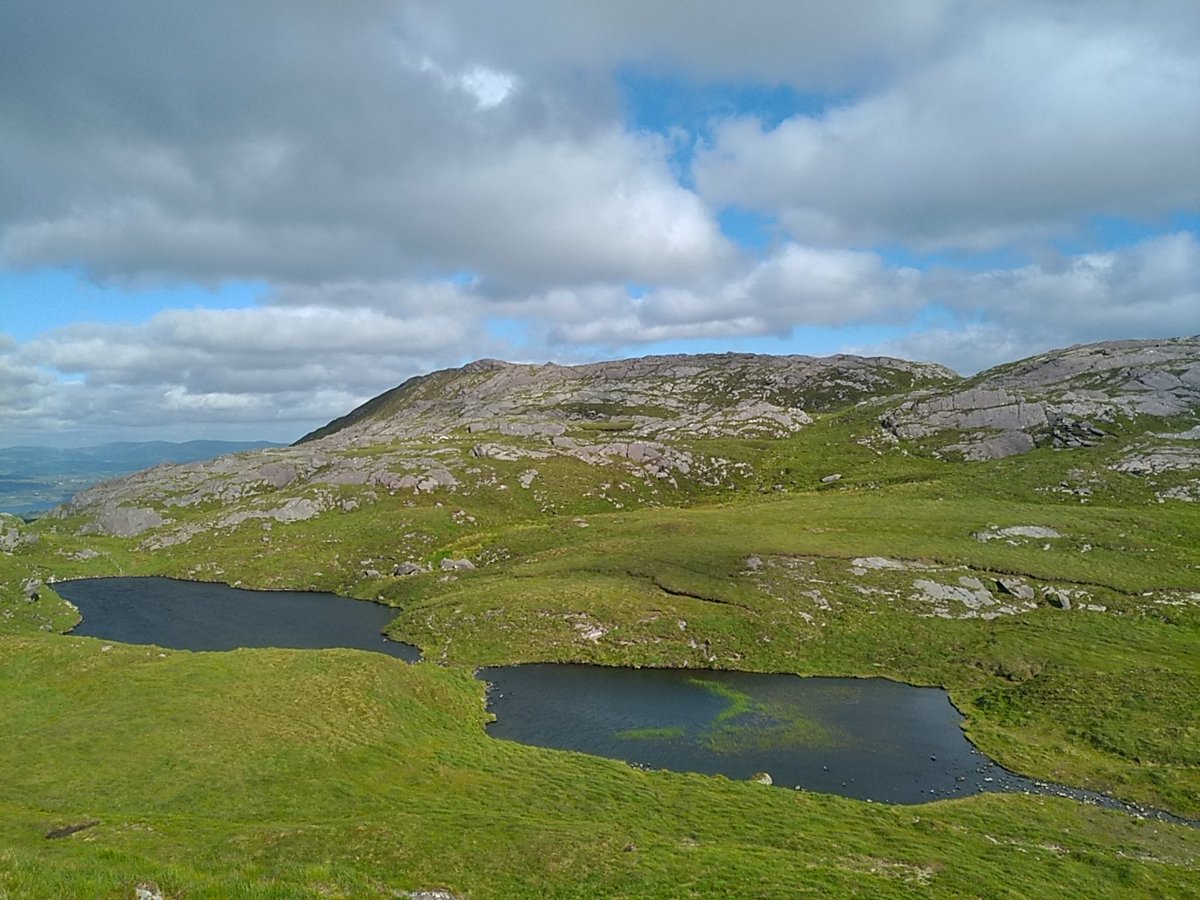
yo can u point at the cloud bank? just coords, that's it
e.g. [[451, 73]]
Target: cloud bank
[[417, 184]]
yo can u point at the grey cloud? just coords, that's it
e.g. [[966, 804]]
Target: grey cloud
[[809, 43], [1149, 289], [300, 143]]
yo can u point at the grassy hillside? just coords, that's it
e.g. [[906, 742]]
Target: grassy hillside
[[339, 773]]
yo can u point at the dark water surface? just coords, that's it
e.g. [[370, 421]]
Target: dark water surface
[[865, 738], [869, 738], [191, 615]]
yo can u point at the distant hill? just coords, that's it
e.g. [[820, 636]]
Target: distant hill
[[37, 478], [682, 427]]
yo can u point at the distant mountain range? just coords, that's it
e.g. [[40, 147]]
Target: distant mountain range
[[33, 479]]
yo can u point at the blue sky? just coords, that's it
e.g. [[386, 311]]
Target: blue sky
[[242, 233]]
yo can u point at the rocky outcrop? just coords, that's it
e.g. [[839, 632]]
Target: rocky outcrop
[[123, 521], [1057, 398], [1153, 461], [12, 535], [662, 397], [639, 416], [651, 421]]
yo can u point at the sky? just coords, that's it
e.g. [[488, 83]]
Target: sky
[[239, 220]]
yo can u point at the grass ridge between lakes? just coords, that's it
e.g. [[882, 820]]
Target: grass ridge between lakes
[[267, 773]]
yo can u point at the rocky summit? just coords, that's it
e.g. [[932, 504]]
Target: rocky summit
[[661, 420], [1063, 397]]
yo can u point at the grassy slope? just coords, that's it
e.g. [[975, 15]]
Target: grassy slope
[[273, 773]]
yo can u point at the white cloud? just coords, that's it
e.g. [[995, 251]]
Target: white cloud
[[1024, 129], [286, 368], [316, 149], [1151, 289], [404, 174], [795, 286]]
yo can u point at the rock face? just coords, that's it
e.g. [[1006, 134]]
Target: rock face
[[11, 536], [654, 397], [649, 421], [636, 416], [123, 521], [1057, 398]]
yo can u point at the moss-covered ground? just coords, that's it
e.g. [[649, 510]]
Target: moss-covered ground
[[338, 773]]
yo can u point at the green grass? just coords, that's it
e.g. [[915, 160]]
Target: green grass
[[335, 773], [283, 773]]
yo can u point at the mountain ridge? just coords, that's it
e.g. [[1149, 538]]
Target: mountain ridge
[[657, 418]]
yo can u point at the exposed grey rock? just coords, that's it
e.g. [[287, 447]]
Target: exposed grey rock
[[1056, 597], [408, 568], [1057, 398], [30, 589], [123, 521], [970, 592], [460, 565], [1192, 434], [277, 474], [996, 446], [1189, 492], [880, 562], [1016, 587], [1159, 459], [640, 417], [1016, 531], [296, 510], [830, 479], [11, 535], [699, 395]]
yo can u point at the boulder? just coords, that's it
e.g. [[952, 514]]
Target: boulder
[[1015, 587], [123, 521], [277, 475]]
